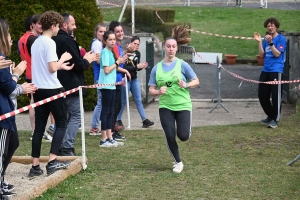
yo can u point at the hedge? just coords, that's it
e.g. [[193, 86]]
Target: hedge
[[86, 14], [146, 18]]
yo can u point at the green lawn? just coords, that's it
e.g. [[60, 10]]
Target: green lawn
[[244, 161], [231, 21]]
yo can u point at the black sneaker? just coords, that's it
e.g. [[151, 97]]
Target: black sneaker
[[6, 193], [56, 165], [3, 197], [119, 126], [117, 136], [272, 124], [35, 172], [8, 186], [147, 123], [66, 152]]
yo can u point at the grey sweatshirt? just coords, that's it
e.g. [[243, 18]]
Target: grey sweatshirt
[[19, 90]]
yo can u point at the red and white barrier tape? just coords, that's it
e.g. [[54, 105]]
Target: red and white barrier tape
[[44, 101], [250, 80], [111, 4], [224, 36]]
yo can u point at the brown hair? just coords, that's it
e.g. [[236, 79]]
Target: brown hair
[[50, 18], [97, 28], [105, 37], [169, 38], [272, 20], [5, 48]]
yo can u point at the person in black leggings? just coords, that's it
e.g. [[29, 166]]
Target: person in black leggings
[[171, 79]]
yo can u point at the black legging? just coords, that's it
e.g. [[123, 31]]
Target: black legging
[[117, 105], [13, 144], [9, 142], [237, 2], [183, 124]]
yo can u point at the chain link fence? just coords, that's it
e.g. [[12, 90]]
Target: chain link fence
[[111, 9]]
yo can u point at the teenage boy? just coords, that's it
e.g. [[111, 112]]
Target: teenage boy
[[45, 64], [33, 30]]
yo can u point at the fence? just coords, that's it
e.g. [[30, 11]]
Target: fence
[[111, 9]]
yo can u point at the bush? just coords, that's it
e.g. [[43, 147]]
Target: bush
[[167, 30], [146, 18], [86, 14]]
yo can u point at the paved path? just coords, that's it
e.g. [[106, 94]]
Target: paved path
[[239, 111]]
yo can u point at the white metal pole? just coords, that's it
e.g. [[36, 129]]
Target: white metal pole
[[266, 3], [188, 2], [84, 166], [123, 10], [127, 102], [132, 17]]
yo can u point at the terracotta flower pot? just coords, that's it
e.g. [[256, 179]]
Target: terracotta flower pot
[[260, 60], [230, 59]]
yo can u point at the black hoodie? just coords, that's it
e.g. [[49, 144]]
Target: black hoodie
[[75, 77]]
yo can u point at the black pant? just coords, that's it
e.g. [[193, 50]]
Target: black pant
[[183, 123], [237, 2], [265, 91], [58, 108], [107, 111], [117, 106]]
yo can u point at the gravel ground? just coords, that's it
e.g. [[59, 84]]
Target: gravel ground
[[17, 175]]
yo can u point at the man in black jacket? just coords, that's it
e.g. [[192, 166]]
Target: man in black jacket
[[71, 79]]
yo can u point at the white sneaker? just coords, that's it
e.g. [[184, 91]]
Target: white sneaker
[[107, 144], [47, 137], [115, 142], [177, 167]]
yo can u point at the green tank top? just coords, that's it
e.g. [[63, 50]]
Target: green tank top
[[175, 98]]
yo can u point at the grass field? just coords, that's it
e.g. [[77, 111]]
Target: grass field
[[229, 21], [244, 161]]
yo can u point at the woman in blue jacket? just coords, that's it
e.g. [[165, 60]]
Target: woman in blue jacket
[[8, 82]]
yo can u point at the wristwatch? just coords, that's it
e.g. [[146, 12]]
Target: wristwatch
[[271, 44], [117, 64]]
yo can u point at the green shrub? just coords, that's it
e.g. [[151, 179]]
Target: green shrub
[[86, 14], [146, 18], [167, 30]]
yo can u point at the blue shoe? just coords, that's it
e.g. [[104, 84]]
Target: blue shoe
[[272, 124], [266, 121]]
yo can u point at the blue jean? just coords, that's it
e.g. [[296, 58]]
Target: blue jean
[[74, 121], [135, 88], [97, 110]]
